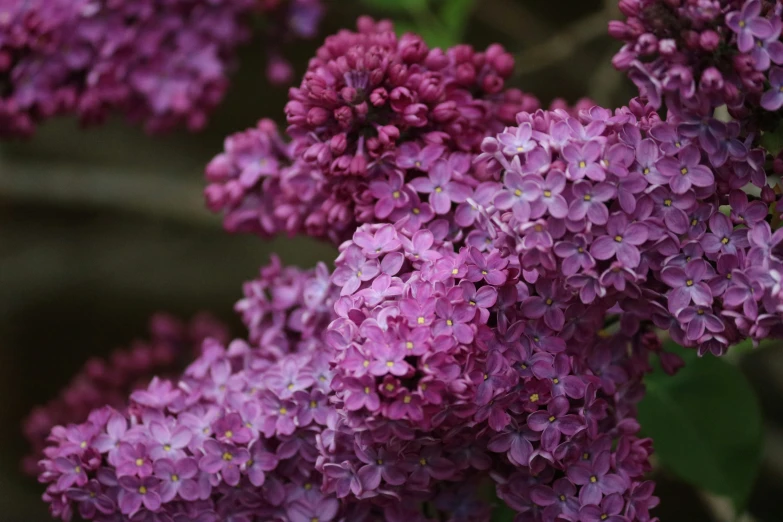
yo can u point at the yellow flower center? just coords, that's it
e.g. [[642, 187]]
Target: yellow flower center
[[534, 397], [449, 322], [593, 479], [547, 193], [420, 320], [229, 434], [618, 238], [367, 390], [582, 164], [454, 271], [588, 197], [139, 462], [407, 399], [143, 490], [667, 202], [175, 478], [438, 189], [409, 345], [689, 282], [227, 456], [552, 418], [683, 171], [283, 411], [517, 192], [167, 447], [389, 364], [396, 194], [416, 211]]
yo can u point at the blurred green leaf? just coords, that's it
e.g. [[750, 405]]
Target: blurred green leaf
[[773, 140], [705, 422], [397, 5], [455, 14], [503, 513]]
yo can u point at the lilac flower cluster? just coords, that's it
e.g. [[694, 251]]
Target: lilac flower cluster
[[448, 364], [371, 106], [696, 56], [109, 381], [234, 440], [160, 62], [273, 433]]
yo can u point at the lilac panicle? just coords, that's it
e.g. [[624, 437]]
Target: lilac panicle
[[161, 63]]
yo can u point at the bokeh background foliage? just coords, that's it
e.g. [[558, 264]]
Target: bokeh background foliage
[[100, 229]]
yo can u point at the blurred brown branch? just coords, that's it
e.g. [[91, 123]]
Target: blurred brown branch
[[148, 193]]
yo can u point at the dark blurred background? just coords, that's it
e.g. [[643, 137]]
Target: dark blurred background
[[100, 229]]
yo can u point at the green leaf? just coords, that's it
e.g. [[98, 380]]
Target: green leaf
[[397, 5], [773, 140], [705, 422], [454, 14], [503, 513]]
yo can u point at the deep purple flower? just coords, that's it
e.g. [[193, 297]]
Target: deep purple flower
[[688, 285], [429, 463], [518, 193], [743, 291], [559, 373], [92, 499], [388, 358], [551, 199], [553, 422], [700, 319], [575, 255], [749, 24], [622, 240], [558, 500], [361, 393], [379, 464], [768, 50], [133, 459], [772, 100], [595, 479], [342, 479], [138, 491], [375, 244], [589, 202], [411, 156], [72, 472], [354, 270], [610, 510], [177, 477], [170, 443], [490, 267], [514, 441], [442, 190], [583, 161], [224, 459], [261, 461], [723, 237], [685, 170], [314, 507], [673, 208], [453, 320]]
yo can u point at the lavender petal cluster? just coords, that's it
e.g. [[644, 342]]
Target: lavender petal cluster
[[697, 56], [108, 382], [370, 106], [163, 63]]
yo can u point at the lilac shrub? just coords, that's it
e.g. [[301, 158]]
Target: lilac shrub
[[160, 62], [503, 276], [108, 381], [296, 426], [370, 106]]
